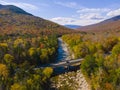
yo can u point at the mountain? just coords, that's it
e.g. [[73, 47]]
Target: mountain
[[72, 26], [12, 9], [112, 24], [116, 18], [15, 21]]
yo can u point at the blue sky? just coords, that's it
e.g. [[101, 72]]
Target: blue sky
[[78, 12]]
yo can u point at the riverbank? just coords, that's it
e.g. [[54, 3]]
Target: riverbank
[[71, 80]]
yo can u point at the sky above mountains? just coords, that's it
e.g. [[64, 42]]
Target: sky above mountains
[[77, 12]]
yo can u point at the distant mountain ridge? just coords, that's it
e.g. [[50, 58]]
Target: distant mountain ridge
[[72, 26], [116, 18], [109, 24]]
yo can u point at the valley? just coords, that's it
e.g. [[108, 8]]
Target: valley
[[38, 54]]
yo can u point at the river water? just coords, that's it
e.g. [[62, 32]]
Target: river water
[[63, 52]]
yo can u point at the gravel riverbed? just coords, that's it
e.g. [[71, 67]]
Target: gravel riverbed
[[70, 81]]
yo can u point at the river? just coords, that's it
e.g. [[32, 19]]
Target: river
[[63, 52]]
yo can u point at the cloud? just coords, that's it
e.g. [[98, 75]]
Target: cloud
[[114, 13], [66, 20], [26, 6], [84, 16], [62, 20], [94, 16], [68, 4], [87, 16], [93, 13], [87, 10]]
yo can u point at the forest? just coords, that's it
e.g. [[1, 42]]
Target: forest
[[19, 57], [101, 53]]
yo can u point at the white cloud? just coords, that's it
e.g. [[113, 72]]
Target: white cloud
[[93, 13], [66, 20], [87, 16], [63, 20], [85, 22], [68, 4], [87, 10], [84, 16], [25, 6], [94, 16], [114, 13]]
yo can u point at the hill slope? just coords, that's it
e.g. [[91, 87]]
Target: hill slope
[[14, 20], [107, 25]]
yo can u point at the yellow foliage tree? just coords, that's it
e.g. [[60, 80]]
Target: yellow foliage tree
[[17, 86], [8, 58], [47, 72], [3, 71]]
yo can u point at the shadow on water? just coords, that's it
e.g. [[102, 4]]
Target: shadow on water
[[63, 70]]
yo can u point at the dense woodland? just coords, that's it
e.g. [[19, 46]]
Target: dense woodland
[[19, 57], [101, 53]]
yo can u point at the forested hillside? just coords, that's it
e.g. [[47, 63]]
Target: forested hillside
[[15, 21]]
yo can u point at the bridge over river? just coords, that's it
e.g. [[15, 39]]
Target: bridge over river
[[64, 61]]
